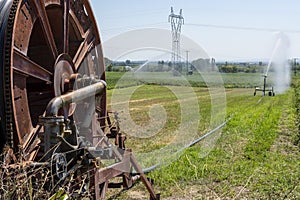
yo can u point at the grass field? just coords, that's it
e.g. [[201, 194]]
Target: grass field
[[230, 80], [255, 157]]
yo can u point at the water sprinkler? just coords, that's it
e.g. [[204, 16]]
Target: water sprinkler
[[278, 61], [270, 90]]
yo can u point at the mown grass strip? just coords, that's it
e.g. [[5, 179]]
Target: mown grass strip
[[241, 164]]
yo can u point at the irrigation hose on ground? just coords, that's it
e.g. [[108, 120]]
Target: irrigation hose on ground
[[154, 167]]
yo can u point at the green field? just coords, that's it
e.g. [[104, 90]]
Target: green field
[[256, 156], [230, 80]]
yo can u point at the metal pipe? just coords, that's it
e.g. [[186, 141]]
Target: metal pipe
[[77, 95], [265, 82]]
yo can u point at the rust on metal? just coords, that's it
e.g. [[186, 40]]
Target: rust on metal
[[40, 9], [53, 71]]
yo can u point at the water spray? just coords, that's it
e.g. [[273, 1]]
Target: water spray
[[278, 45]]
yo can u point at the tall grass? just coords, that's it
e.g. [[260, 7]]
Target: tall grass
[[296, 86]]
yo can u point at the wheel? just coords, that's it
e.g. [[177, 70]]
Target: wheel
[[59, 165], [43, 43]]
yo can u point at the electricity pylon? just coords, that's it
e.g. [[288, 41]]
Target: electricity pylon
[[176, 22]]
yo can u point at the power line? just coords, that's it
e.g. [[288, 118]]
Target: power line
[[134, 26], [243, 28]]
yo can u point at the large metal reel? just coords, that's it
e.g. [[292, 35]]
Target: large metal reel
[[42, 43]]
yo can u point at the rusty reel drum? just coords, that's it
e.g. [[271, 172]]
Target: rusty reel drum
[[45, 44], [53, 98]]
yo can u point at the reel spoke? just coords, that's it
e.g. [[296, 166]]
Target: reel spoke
[[41, 12]]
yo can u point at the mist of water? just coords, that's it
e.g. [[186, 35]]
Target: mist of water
[[280, 65], [276, 48]]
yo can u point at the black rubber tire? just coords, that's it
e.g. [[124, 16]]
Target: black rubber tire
[[270, 93]]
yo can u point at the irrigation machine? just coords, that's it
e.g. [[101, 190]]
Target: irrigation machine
[[265, 90], [54, 121]]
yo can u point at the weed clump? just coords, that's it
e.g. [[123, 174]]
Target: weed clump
[[20, 180], [296, 86]]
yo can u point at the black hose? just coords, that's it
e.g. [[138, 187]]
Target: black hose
[[154, 167], [5, 7]]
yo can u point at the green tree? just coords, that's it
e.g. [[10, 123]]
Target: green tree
[[109, 68]]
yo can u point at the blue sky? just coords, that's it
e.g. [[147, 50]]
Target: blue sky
[[226, 30]]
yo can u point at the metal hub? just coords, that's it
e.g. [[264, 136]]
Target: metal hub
[[63, 72], [64, 68]]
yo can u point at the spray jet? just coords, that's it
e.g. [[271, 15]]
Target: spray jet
[[279, 46]]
